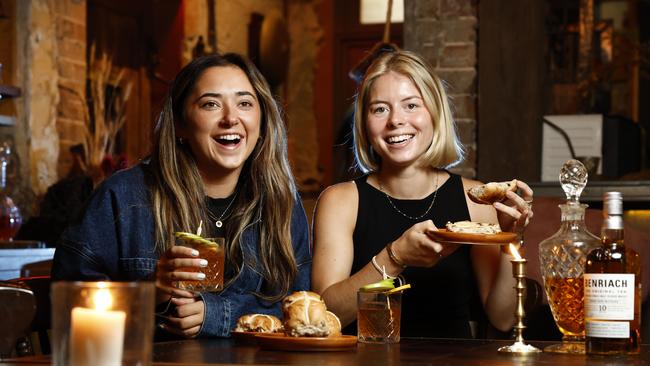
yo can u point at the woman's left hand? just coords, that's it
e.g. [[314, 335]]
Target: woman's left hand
[[515, 212], [187, 317]]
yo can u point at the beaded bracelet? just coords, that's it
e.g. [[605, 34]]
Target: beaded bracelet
[[393, 257], [381, 270]]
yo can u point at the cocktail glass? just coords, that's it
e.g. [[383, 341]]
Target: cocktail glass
[[212, 250], [378, 317]]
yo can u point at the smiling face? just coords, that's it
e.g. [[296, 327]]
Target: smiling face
[[222, 120], [399, 125]]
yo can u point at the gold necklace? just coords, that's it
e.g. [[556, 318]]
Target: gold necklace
[[414, 218], [218, 220]]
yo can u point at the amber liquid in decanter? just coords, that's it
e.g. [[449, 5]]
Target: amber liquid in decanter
[[565, 298]]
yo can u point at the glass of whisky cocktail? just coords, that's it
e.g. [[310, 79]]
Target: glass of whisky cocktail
[[378, 317], [212, 250]]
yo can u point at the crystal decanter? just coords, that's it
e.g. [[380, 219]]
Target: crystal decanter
[[10, 218], [562, 259]]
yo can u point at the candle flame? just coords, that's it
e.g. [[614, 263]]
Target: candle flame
[[102, 299], [514, 252]]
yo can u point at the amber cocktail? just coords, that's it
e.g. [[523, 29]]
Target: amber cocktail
[[212, 250], [378, 317]]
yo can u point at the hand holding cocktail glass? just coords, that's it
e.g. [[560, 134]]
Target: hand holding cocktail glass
[[194, 265]]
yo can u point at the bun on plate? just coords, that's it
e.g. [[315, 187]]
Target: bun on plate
[[305, 315], [471, 227], [491, 192], [261, 323], [333, 323]]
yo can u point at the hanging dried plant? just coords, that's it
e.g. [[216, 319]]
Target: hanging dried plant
[[104, 112]]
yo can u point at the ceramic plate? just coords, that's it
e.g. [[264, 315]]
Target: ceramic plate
[[446, 236], [284, 343], [249, 337]]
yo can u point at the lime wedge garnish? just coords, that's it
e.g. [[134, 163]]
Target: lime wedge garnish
[[382, 285], [189, 237]]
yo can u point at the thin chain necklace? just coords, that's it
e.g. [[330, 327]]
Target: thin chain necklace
[[415, 218], [218, 221]]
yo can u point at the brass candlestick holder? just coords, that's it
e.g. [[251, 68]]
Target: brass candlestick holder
[[519, 347]]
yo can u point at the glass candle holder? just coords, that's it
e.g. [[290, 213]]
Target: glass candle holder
[[102, 323]]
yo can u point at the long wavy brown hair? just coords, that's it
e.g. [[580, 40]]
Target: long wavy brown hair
[[265, 191]]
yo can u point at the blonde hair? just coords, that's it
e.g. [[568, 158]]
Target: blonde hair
[[266, 191], [445, 149]]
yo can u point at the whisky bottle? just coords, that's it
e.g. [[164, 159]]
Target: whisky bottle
[[612, 288]]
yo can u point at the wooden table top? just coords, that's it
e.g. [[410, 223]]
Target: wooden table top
[[410, 351]]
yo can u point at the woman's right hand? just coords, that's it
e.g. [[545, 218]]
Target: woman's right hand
[[167, 272], [417, 249]]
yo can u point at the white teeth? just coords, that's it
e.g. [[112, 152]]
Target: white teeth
[[229, 137], [398, 139]]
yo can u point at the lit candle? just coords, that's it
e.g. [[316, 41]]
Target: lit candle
[[97, 335], [515, 252]]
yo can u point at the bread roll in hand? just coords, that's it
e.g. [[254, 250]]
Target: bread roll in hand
[[305, 315], [492, 192], [261, 323]]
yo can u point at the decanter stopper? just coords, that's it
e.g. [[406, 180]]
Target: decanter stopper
[[573, 178]]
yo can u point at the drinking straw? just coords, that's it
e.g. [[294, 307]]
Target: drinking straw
[[388, 293]]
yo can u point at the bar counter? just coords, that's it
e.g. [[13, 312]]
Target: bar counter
[[410, 351]]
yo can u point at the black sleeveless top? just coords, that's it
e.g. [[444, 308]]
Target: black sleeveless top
[[444, 298]]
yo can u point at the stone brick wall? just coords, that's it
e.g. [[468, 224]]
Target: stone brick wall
[[306, 34], [70, 16], [445, 33], [51, 71]]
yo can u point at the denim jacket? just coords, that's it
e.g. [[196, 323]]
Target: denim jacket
[[114, 240]]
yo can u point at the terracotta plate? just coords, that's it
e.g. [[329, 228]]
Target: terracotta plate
[[284, 343], [446, 236], [249, 337]]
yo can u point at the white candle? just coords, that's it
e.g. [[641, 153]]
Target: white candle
[[97, 335]]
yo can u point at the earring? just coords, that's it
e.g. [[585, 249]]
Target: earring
[[181, 141]]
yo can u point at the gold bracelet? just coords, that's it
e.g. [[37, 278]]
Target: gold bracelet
[[393, 257]]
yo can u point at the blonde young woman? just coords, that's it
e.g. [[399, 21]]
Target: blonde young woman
[[220, 157], [404, 138]]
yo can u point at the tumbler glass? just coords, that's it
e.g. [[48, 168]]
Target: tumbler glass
[[378, 317], [212, 250]]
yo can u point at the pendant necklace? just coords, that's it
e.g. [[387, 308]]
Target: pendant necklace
[[218, 220], [415, 218]]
